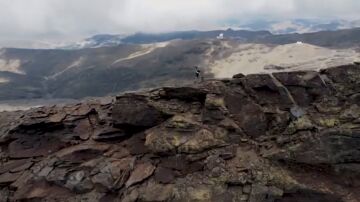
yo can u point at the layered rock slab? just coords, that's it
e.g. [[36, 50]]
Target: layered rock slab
[[281, 137]]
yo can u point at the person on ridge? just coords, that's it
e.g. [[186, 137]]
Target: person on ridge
[[197, 72]]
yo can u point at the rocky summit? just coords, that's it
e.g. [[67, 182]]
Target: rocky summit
[[282, 137]]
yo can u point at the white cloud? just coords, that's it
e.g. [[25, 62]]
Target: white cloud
[[55, 19]]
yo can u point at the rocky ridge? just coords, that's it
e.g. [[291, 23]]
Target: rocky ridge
[[285, 137]]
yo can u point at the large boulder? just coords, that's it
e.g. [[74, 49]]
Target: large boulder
[[182, 134], [188, 94], [304, 87], [331, 147], [345, 79], [133, 112]]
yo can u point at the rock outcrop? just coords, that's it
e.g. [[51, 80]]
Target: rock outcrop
[[283, 137]]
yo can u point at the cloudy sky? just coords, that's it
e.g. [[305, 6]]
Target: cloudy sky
[[70, 19]]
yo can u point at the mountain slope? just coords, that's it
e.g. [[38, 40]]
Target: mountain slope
[[81, 73], [256, 58], [340, 38], [244, 35], [96, 72]]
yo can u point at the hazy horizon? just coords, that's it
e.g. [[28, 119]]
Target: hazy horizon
[[49, 21]]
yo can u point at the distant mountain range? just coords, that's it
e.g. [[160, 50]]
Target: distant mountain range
[[101, 40], [36, 73], [300, 25], [248, 32], [338, 38], [106, 40]]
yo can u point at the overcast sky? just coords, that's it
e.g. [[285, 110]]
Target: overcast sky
[[69, 19]]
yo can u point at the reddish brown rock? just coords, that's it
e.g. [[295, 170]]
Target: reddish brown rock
[[140, 173], [84, 129], [58, 117], [164, 175], [35, 146], [82, 153], [157, 192], [8, 178], [133, 112], [14, 165], [108, 134]]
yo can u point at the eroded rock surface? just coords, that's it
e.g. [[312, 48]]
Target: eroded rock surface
[[278, 138]]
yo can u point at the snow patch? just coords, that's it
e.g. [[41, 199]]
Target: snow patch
[[4, 80], [145, 49], [13, 66], [221, 36], [75, 64], [284, 27]]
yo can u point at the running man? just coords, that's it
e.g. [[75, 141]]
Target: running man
[[197, 72]]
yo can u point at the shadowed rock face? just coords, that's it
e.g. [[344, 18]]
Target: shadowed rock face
[[286, 137]]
